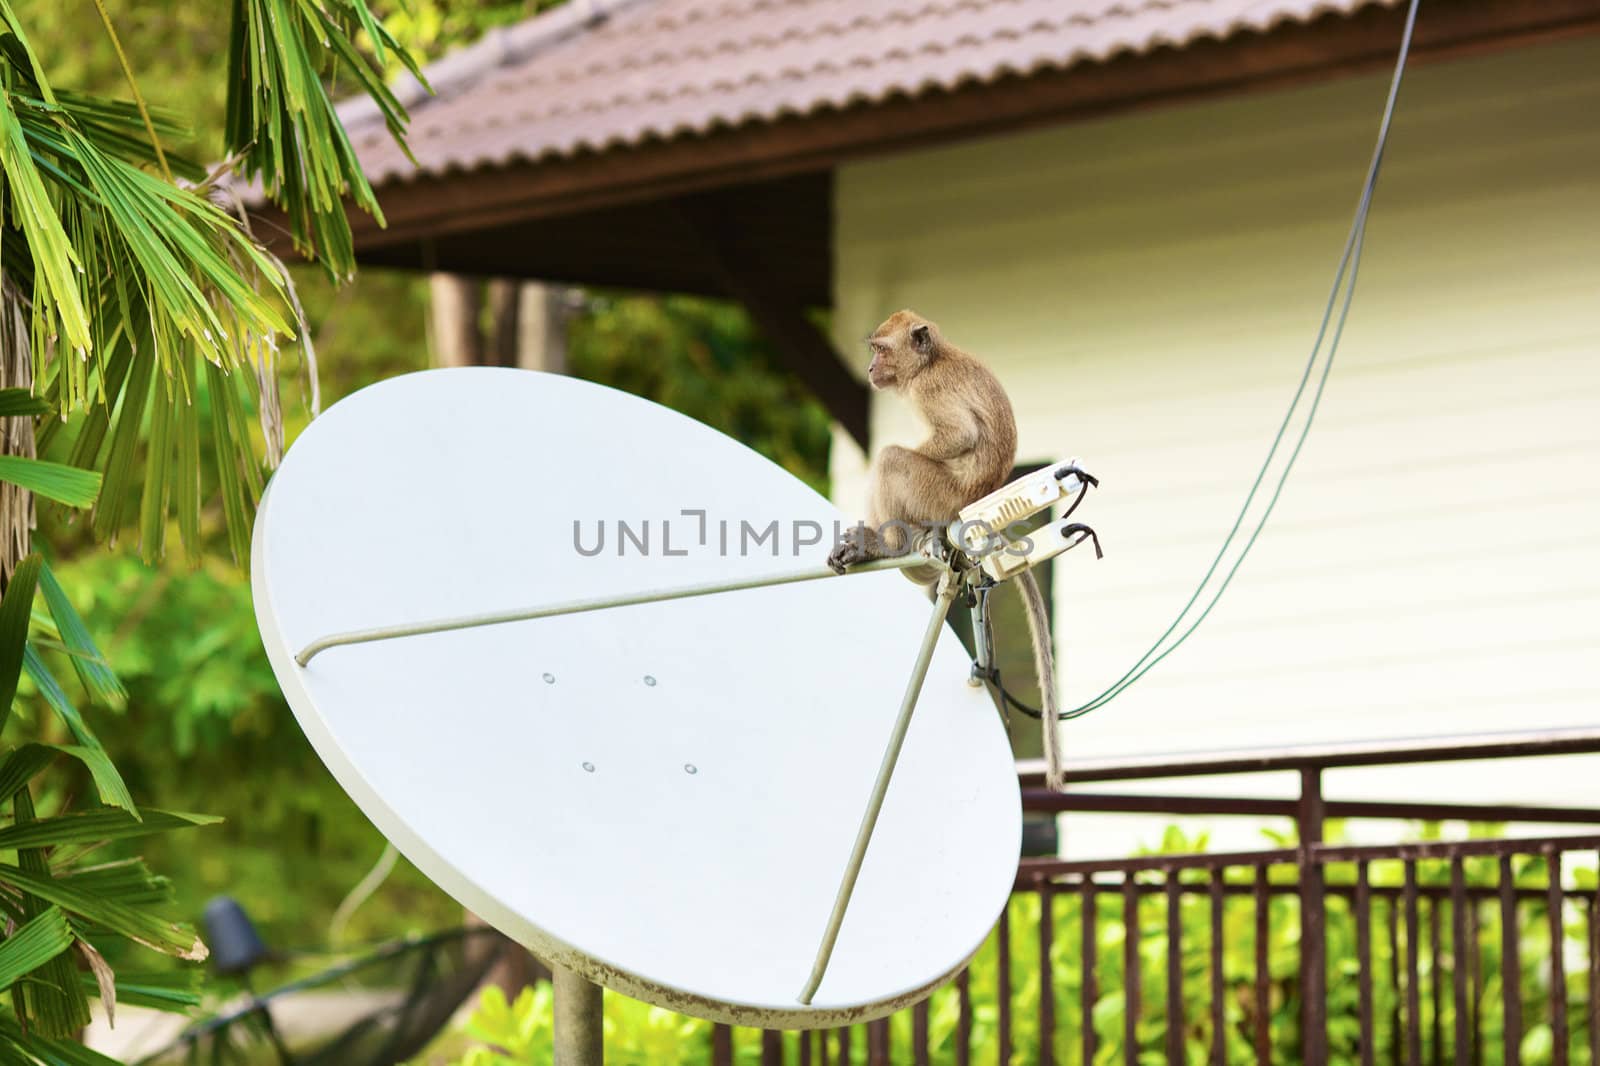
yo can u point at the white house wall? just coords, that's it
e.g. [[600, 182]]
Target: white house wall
[[1148, 287]]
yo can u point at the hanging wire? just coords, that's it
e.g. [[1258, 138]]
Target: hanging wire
[[1345, 278]]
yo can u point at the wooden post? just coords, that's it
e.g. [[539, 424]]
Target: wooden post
[[542, 328], [527, 323], [503, 297], [1313, 931], [456, 338]]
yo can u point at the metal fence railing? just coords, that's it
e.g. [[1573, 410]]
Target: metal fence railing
[[1474, 952]]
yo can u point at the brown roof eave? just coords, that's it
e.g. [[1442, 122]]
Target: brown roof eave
[[430, 205]]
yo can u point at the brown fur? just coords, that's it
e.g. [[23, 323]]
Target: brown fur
[[971, 446], [970, 451]]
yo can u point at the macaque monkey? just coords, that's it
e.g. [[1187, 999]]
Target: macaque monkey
[[970, 451]]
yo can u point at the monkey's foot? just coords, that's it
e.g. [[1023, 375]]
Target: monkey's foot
[[847, 555]]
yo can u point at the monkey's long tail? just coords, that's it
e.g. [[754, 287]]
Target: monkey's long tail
[[1044, 667]]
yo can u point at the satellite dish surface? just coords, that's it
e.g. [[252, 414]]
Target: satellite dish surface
[[659, 797]]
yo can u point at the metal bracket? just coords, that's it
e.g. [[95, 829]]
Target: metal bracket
[[950, 583], [524, 614]]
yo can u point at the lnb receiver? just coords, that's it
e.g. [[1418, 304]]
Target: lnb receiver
[[983, 530]]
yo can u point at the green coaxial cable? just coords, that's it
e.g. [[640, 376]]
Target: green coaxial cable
[[1345, 280]]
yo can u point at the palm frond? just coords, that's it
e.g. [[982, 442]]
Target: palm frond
[[178, 990], [127, 880], [167, 242], [281, 120], [54, 481], [117, 127], [94, 672], [20, 766], [33, 945], [140, 276], [16, 403], [55, 1003], [172, 245], [113, 912], [31, 1049], [85, 827], [16, 610], [55, 292], [107, 781], [148, 429]]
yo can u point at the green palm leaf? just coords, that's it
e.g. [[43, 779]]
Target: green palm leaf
[[117, 126], [128, 881], [56, 288], [175, 991], [20, 766], [93, 671], [54, 481], [91, 827], [23, 764], [142, 275], [16, 402], [55, 1002], [107, 781], [107, 911], [281, 118], [33, 945], [16, 608], [166, 274], [18, 1046]]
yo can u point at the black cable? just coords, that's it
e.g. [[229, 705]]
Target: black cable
[[1073, 506], [993, 677], [992, 674]]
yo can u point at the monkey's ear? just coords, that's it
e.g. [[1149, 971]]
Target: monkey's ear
[[921, 339]]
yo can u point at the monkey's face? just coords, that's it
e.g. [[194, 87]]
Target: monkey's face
[[901, 348], [880, 372]]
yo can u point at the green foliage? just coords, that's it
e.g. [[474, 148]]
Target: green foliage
[[431, 27], [520, 1033], [703, 358], [134, 273], [159, 294], [55, 902], [191, 41], [132, 310]]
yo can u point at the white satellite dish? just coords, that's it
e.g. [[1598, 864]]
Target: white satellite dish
[[662, 797]]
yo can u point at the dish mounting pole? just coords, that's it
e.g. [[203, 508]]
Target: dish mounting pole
[[579, 1020]]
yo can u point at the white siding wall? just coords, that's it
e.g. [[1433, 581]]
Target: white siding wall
[[1148, 287]]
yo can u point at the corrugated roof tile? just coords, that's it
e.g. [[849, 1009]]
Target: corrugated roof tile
[[657, 69]]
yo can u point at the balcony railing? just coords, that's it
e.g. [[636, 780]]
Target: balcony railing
[[1442, 951]]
